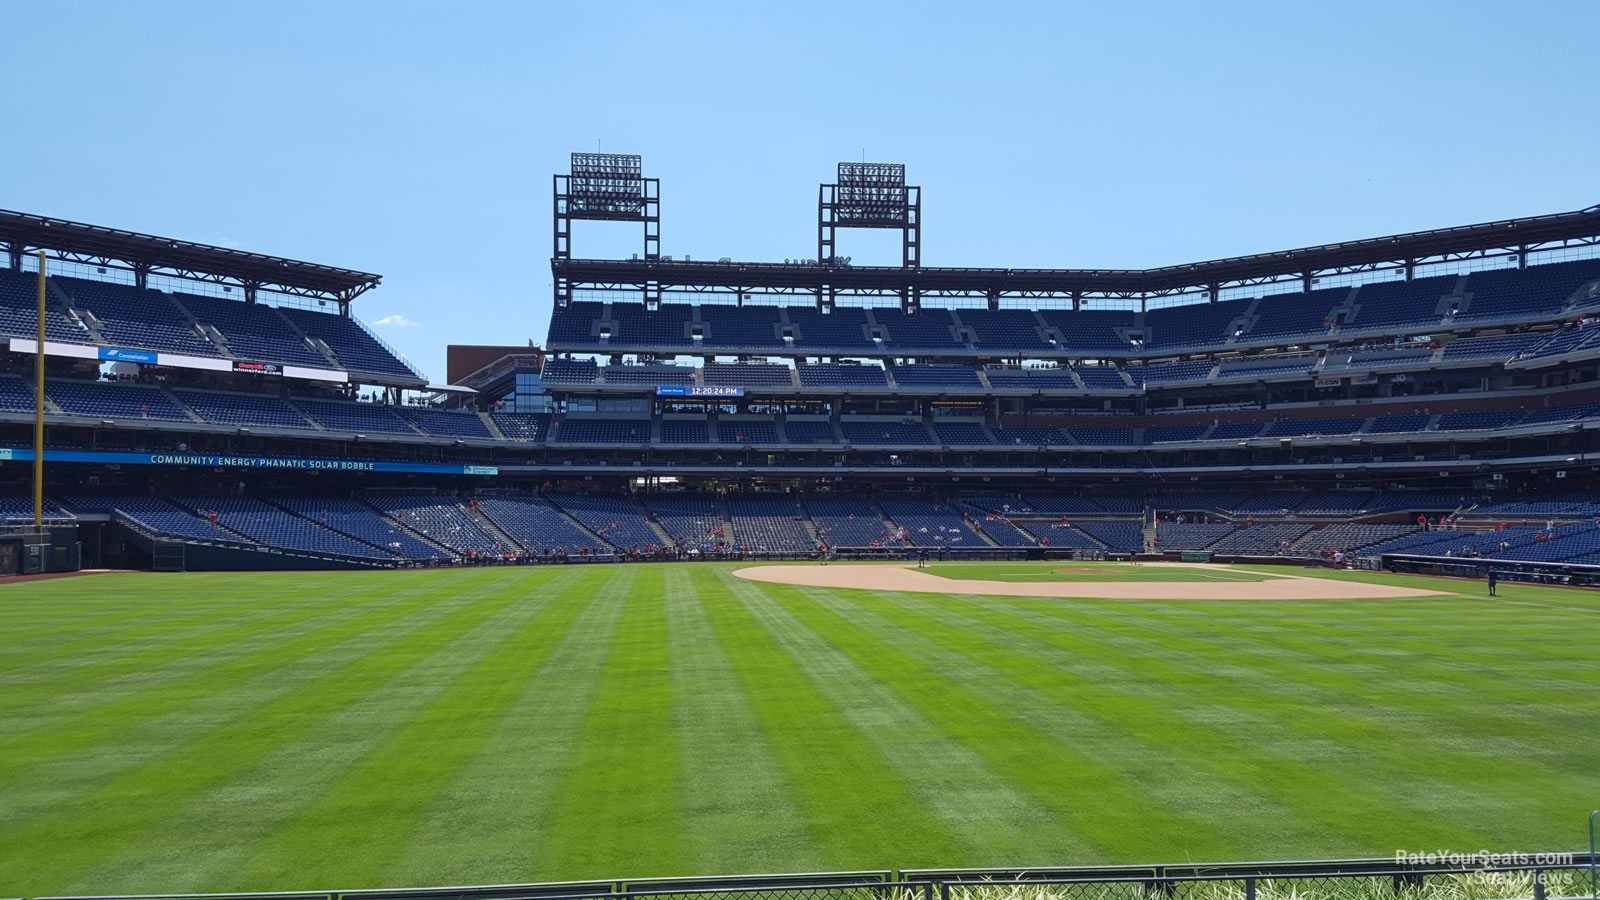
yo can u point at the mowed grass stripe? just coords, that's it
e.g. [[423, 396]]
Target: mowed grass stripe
[[620, 802], [1472, 756], [184, 686], [386, 759], [115, 816], [740, 813], [1113, 735], [1384, 665], [98, 609], [857, 801], [1309, 754], [484, 827], [1448, 639], [949, 777], [47, 669], [119, 678], [1054, 775], [139, 735]]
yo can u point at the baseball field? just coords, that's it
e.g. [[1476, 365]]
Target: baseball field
[[163, 733]]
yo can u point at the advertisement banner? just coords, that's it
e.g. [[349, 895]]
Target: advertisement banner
[[117, 354], [227, 461]]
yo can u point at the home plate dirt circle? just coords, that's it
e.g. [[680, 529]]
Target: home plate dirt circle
[[902, 577]]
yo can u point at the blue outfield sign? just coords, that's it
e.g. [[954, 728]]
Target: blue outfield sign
[[222, 461], [117, 354], [695, 390]]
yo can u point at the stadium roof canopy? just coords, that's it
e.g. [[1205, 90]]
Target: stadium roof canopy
[[1581, 227], [144, 253]]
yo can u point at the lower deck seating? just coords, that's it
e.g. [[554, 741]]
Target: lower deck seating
[[156, 516], [365, 524], [693, 521], [1269, 539], [619, 521], [929, 523], [1118, 537], [442, 520], [538, 526], [845, 521], [769, 523], [1060, 536], [1349, 537], [1173, 536], [274, 527]]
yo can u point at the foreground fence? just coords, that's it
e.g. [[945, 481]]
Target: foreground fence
[[1543, 876]]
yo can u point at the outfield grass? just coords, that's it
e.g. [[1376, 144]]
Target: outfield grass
[[1087, 571], [336, 730]]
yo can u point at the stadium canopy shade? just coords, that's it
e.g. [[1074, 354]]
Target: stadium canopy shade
[[144, 253], [1530, 233]]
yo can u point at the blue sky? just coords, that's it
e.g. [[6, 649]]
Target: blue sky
[[417, 140]]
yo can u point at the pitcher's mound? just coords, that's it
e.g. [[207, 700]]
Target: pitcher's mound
[[903, 577]]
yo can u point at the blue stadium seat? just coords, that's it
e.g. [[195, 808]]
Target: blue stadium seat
[[19, 311], [843, 328], [356, 348], [363, 523], [603, 431], [254, 331], [929, 523], [846, 521], [450, 423], [619, 521], [842, 375], [244, 409], [538, 526], [113, 400], [935, 376], [885, 433], [809, 431], [274, 527], [962, 434], [1005, 329], [140, 318], [442, 520], [359, 418], [769, 523], [748, 431], [1091, 329], [926, 329]]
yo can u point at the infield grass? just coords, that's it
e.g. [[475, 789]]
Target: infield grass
[[164, 733]]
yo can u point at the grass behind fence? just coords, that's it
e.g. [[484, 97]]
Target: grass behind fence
[[163, 733]]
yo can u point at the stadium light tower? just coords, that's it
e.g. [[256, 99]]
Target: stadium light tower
[[870, 195], [607, 187]]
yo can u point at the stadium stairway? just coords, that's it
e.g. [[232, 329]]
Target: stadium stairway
[[63, 302], [573, 521], [493, 426], [494, 530]]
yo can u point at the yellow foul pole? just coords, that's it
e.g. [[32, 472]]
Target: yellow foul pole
[[38, 411]]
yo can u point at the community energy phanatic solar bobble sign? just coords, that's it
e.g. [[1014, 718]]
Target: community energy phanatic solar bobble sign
[[223, 461]]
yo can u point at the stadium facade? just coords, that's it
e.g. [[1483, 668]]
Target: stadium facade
[[212, 408]]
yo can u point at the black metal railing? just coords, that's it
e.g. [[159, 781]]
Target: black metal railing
[[1541, 876]]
